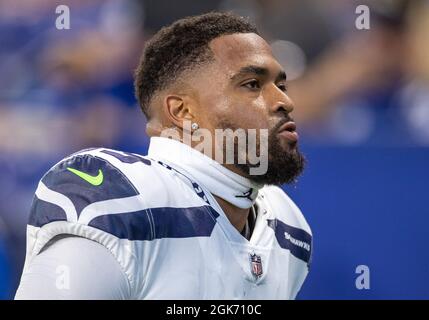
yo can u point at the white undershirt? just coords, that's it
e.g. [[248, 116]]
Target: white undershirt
[[74, 268]]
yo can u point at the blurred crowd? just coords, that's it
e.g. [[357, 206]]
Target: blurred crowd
[[65, 90]]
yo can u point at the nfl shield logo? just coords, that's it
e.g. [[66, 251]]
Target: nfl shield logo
[[256, 265]]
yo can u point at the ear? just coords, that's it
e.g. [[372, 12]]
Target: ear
[[178, 109]]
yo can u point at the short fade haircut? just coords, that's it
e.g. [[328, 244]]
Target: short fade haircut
[[179, 47]]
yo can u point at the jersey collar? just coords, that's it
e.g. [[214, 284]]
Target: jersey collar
[[230, 186]]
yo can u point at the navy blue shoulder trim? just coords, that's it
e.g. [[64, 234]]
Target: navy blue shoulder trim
[[43, 212], [84, 179], [159, 223], [298, 241]]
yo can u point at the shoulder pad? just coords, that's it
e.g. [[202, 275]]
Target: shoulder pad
[[73, 184]]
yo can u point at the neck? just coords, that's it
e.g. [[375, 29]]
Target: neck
[[237, 216]]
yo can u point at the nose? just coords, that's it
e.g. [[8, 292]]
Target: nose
[[282, 103]]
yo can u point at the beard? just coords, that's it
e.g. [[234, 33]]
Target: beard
[[285, 162]]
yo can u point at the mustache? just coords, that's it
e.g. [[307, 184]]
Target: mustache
[[226, 124], [281, 122]]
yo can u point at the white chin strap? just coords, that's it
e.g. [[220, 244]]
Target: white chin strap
[[228, 185]]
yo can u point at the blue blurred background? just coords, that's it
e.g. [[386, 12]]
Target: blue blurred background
[[362, 109]]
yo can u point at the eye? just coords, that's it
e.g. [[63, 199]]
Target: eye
[[282, 87], [252, 85]]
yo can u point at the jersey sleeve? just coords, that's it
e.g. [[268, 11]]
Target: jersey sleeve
[[74, 268], [69, 188], [81, 196]]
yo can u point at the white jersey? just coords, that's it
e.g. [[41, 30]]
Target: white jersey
[[168, 234]]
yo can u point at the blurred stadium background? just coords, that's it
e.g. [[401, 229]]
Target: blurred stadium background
[[362, 108]]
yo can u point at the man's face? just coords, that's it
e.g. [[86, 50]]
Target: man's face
[[245, 87]]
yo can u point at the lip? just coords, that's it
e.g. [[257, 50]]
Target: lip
[[288, 131], [289, 126]]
